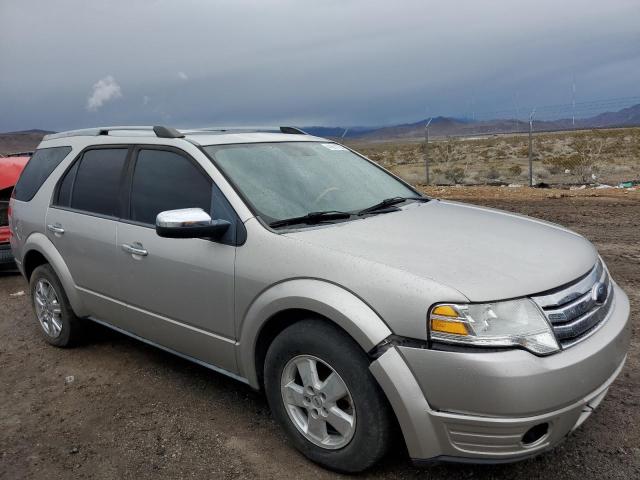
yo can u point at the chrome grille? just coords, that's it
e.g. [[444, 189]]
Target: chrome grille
[[577, 310]]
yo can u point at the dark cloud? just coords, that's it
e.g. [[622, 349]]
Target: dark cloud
[[332, 62]]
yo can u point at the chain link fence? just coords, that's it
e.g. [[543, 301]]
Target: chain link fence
[[597, 156]]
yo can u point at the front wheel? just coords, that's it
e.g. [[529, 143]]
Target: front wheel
[[320, 390]]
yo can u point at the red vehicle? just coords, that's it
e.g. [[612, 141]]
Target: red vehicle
[[10, 169]]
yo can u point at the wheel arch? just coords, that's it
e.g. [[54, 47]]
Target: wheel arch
[[39, 250], [32, 260], [285, 303]]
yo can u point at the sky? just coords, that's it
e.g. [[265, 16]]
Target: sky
[[72, 64]]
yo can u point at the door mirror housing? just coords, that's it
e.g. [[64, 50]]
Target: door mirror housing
[[189, 223]]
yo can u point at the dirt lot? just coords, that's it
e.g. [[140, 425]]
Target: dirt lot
[[133, 411]]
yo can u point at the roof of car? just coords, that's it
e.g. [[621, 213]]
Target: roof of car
[[249, 137], [202, 137]]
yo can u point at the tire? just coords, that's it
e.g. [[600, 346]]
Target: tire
[[58, 324], [368, 438]]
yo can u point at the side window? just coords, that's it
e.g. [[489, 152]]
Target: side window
[[97, 181], [42, 163], [164, 180], [64, 191]]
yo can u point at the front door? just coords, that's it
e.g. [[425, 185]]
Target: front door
[[178, 293]]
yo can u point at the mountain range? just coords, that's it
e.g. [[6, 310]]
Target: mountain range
[[440, 127], [449, 126]]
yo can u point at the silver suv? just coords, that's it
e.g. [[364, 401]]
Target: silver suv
[[295, 265]]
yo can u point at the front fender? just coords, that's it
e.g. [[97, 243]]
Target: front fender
[[340, 306], [41, 244]]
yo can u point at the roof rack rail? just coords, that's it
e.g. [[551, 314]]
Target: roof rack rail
[[158, 131], [169, 132], [222, 130]]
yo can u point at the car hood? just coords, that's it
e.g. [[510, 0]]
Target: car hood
[[483, 253]]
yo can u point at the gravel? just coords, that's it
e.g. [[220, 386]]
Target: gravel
[[117, 408]]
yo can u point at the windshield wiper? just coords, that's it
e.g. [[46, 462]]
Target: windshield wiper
[[389, 202], [311, 218]]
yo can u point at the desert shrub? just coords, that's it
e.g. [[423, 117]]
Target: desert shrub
[[585, 158], [400, 158], [500, 153], [448, 151], [515, 170], [612, 146], [541, 174], [454, 175], [581, 163], [558, 164], [492, 174], [375, 156], [445, 154], [485, 154]]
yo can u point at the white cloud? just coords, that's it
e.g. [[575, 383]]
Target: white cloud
[[146, 100], [183, 76], [104, 90]]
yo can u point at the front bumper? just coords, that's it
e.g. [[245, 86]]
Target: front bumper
[[476, 407]]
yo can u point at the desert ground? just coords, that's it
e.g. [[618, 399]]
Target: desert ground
[[116, 408], [607, 156]]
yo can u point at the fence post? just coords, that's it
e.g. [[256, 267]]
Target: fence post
[[531, 147], [426, 150]]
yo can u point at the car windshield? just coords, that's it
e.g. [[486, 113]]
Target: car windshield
[[284, 180]]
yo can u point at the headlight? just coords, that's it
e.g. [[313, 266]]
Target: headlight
[[497, 324]]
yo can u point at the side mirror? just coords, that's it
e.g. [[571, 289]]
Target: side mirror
[[189, 223]]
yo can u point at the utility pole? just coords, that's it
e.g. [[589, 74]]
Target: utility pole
[[426, 148], [473, 108], [515, 123], [533, 112], [573, 102]]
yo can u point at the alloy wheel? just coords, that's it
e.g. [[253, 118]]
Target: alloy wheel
[[48, 308], [318, 402]]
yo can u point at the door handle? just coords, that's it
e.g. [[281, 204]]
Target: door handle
[[135, 249], [57, 229]]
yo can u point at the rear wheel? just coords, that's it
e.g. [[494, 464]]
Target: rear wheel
[[58, 324], [320, 390]]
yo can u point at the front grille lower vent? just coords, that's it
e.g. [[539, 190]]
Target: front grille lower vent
[[578, 310]]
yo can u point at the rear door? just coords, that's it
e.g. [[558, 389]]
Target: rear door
[[82, 224], [179, 292]]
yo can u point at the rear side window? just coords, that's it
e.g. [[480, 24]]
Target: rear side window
[[42, 163], [164, 180], [93, 184], [64, 192]]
